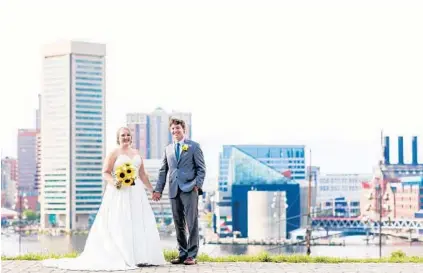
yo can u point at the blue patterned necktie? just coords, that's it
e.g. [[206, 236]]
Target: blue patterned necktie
[[178, 151]]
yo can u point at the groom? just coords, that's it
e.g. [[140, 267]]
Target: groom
[[184, 169]]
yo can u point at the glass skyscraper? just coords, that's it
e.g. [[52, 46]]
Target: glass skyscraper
[[72, 133], [247, 166], [279, 157]]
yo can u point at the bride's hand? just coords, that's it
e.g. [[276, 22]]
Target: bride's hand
[[116, 184]]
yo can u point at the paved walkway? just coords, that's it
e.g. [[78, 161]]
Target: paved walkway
[[35, 266]]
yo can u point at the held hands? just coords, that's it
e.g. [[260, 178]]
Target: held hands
[[156, 196]]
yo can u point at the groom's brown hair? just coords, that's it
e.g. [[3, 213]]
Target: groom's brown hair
[[177, 121]]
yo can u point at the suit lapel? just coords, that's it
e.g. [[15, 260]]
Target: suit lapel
[[172, 152], [186, 142]]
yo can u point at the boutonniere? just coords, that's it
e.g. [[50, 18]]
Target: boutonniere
[[185, 147]]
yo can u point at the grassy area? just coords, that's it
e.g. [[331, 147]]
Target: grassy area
[[396, 257], [39, 256]]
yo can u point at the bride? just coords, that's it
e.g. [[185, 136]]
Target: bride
[[124, 233]]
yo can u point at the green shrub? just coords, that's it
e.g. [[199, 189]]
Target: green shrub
[[399, 254]]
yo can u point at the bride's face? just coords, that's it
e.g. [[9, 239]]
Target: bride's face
[[125, 138]]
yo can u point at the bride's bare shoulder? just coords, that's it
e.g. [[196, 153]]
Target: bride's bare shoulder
[[111, 158], [114, 153]]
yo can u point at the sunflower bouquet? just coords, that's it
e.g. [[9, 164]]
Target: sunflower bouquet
[[125, 175]]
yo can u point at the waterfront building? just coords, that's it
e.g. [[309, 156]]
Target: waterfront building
[[245, 173], [73, 126]]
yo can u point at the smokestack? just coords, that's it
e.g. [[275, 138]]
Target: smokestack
[[414, 151], [386, 150], [401, 150]]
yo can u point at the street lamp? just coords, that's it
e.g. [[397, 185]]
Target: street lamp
[[23, 203], [277, 215], [381, 199], [309, 222]]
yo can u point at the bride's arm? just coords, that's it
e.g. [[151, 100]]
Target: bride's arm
[[108, 168], [144, 177]]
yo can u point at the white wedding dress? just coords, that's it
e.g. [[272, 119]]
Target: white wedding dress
[[124, 233]]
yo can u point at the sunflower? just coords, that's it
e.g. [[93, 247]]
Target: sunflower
[[129, 182], [126, 174]]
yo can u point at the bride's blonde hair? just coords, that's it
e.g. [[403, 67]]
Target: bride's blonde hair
[[118, 133]]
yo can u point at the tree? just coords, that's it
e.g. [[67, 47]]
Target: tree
[[30, 215]]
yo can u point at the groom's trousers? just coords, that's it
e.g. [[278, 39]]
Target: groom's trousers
[[185, 215]]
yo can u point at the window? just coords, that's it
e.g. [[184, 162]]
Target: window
[[89, 123], [88, 135], [89, 146], [89, 78], [89, 67], [89, 157], [89, 180], [88, 192], [85, 197], [88, 186], [89, 169], [89, 95], [89, 101], [88, 118], [78, 152], [87, 84], [248, 170], [89, 112], [89, 129], [81, 61], [88, 90], [86, 209], [88, 73], [89, 140], [88, 174]]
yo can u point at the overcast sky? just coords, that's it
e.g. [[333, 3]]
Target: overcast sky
[[330, 79]]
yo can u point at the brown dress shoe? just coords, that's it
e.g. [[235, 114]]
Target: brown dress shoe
[[178, 260], [190, 261]]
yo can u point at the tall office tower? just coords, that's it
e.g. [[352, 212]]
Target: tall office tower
[[139, 125], [150, 132], [8, 175], [38, 145], [38, 114], [38, 163], [27, 166], [72, 133]]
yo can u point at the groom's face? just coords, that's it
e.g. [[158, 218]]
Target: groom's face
[[177, 131]]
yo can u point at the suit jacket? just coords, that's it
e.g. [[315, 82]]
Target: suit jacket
[[185, 173]]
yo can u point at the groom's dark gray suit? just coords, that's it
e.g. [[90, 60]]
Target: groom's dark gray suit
[[183, 174]]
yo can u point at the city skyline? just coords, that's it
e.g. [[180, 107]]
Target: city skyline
[[307, 114], [242, 90]]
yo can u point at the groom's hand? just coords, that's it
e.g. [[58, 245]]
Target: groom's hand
[[156, 196], [198, 190]]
